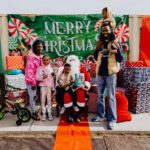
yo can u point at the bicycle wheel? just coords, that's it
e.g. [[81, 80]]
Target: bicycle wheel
[[24, 114], [18, 122]]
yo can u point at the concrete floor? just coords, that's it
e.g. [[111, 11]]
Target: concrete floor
[[46, 140], [140, 122], [133, 135]]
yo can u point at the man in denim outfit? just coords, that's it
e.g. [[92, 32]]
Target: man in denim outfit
[[108, 61]]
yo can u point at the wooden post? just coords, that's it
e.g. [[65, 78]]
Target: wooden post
[[134, 25], [4, 39]]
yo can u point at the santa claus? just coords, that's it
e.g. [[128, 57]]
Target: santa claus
[[77, 69], [82, 83]]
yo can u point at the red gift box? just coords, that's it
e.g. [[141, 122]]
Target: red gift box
[[134, 64], [14, 62], [92, 102]]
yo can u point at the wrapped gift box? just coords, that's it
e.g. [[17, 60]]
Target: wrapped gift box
[[14, 62], [138, 95], [15, 82], [16, 88], [92, 102], [18, 94], [122, 64], [136, 74], [2, 87], [134, 64], [11, 95]]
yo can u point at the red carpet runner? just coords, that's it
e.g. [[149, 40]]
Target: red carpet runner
[[74, 136]]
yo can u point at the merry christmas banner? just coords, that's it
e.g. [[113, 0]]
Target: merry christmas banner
[[63, 34]]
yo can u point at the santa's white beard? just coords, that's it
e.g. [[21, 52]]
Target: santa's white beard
[[75, 68]]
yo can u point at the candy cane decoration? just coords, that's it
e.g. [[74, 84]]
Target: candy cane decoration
[[17, 28], [59, 62], [31, 36], [122, 32], [86, 63], [13, 43]]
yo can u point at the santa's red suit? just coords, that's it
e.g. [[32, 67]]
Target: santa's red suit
[[76, 68], [80, 92]]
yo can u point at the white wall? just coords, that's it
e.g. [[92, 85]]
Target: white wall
[[131, 7]]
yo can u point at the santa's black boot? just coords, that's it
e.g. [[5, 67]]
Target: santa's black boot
[[77, 117], [70, 115], [78, 114]]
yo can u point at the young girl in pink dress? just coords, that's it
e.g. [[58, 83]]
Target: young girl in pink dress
[[44, 76]]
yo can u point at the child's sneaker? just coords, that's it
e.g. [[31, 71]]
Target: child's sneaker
[[50, 117], [43, 117], [62, 110]]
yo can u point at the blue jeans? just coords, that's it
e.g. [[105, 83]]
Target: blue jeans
[[110, 83], [32, 95]]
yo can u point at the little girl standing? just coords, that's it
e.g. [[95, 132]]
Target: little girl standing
[[44, 75]]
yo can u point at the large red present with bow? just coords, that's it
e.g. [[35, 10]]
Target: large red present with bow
[[14, 62]]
